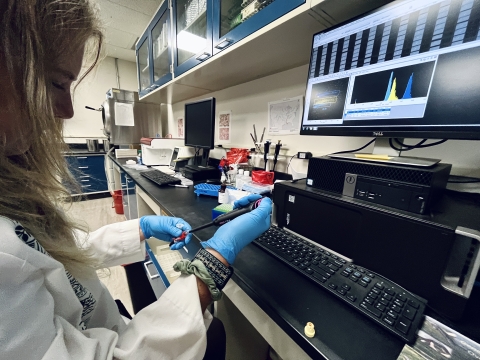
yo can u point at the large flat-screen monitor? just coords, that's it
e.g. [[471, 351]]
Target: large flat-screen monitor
[[408, 69], [200, 123], [200, 128]]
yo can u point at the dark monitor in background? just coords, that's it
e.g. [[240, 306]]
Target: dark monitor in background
[[200, 126], [409, 69]]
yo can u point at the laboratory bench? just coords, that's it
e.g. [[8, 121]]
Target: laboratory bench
[[275, 299]]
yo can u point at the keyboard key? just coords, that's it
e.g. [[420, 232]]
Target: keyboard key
[[351, 297], [321, 272], [369, 300], [332, 285], [366, 279], [387, 297], [346, 287], [353, 278], [353, 266], [398, 303], [396, 308], [315, 262], [389, 320], [392, 314], [309, 270], [343, 261], [341, 291], [323, 268], [371, 309], [384, 301], [376, 291], [402, 297], [409, 312], [413, 303], [363, 283], [390, 291], [296, 262], [361, 270], [333, 267], [302, 266], [349, 269], [327, 253], [372, 295], [335, 257], [380, 307], [338, 263], [344, 273], [379, 286], [357, 274], [403, 325], [370, 275], [319, 277]]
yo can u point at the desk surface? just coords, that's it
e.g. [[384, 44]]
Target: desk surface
[[288, 298]]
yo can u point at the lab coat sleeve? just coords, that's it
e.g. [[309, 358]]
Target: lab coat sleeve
[[171, 328], [114, 244]]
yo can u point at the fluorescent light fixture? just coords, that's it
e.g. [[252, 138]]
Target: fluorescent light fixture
[[190, 42]]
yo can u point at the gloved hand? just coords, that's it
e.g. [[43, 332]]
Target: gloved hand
[[165, 228], [238, 233], [246, 200]]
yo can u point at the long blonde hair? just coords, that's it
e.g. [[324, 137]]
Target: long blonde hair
[[34, 35]]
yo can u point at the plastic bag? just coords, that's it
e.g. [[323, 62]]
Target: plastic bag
[[263, 177], [237, 156]]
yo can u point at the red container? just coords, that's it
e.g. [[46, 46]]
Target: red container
[[262, 177], [117, 201]]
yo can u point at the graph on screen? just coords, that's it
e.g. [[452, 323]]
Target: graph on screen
[[402, 83]]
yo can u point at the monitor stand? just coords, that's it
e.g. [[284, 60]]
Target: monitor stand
[[203, 163], [383, 153]]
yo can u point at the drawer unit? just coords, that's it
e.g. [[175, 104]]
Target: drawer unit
[[89, 172]]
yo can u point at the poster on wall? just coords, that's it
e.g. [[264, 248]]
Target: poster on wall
[[180, 127], [224, 126], [285, 116]]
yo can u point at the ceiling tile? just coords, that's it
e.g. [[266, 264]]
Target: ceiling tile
[[122, 18], [119, 38], [147, 7], [117, 52]]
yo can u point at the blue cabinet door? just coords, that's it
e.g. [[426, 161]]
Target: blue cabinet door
[[89, 173], [144, 70], [234, 20], [192, 32], [161, 49]]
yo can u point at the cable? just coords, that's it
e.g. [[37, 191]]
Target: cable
[[290, 162], [351, 151], [462, 180], [419, 145]]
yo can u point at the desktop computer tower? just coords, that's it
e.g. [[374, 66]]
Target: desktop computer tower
[[406, 188], [435, 257]]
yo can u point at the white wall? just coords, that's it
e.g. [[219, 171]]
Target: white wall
[[91, 92], [248, 104]]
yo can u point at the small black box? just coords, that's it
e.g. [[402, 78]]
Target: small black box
[[401, 187], [199, 173]]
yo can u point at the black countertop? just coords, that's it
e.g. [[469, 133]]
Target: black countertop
[[290, 299]]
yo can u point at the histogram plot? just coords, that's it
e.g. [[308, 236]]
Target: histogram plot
[[327, 99], [402, 83]]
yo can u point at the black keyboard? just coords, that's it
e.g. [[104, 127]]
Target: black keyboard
[[160, 178], [383, 301]]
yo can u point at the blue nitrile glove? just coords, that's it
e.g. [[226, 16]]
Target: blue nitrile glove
[[165, 228], [246, 200], [238, 233]]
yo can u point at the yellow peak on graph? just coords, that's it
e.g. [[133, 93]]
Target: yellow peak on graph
[[393, 92]]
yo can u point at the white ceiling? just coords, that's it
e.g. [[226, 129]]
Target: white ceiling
[[124, 21]]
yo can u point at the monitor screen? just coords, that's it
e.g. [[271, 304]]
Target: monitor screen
[[200, 123], [409, 69]]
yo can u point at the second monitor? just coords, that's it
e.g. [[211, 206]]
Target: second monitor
[[200, 127]]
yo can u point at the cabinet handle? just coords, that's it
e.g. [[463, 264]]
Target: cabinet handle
[[204, 56], [223, 44], [83, 167], [86, 185], [145, 264], [85, 176], [83, 157], [84, 180]]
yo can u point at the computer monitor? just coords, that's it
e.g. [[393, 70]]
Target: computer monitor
[[200, 126], [409, 69]]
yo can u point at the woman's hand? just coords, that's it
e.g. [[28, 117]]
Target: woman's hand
[[238, 233], [165, 228]]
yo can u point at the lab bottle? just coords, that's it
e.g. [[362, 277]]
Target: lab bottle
[[246, 177], [222, 194], [239, 179]]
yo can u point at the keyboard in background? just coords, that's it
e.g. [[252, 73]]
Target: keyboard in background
[[388, 304], [160, 178]]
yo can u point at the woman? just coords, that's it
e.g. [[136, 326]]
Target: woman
[[52, 304]]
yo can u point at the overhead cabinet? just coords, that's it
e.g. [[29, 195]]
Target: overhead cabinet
[[199, 29], [154, 53], [237, 19]]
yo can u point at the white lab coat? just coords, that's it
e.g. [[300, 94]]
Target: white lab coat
[[40, 313]]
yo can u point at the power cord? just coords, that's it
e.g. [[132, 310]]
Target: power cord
[[288, 166], [351, 151], [419, 145], [466, 180]]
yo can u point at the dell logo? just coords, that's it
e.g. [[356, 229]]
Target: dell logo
[[377, 133]]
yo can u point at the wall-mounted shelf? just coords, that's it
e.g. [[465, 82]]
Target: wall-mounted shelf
[[283, 44]]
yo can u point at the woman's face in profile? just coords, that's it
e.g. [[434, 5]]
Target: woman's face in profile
[[60, 77]]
